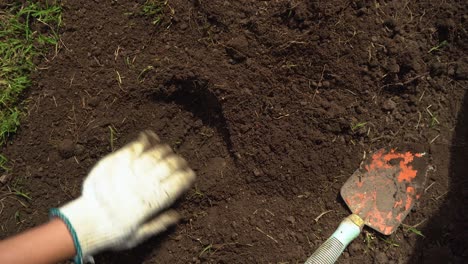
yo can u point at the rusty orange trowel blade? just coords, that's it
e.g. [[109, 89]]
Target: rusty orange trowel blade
[[385, 188]]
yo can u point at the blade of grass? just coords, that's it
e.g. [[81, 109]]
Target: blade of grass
[[3, 161], [27, 30]]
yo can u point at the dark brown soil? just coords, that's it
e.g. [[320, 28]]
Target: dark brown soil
[[267, 100]]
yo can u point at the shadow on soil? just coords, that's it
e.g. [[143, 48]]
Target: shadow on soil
[[136, 255], [194, 96], [446, 232]]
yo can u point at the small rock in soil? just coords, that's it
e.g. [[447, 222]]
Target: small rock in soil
[[79, 149], [334, 127], [234, 236], [393, 67], [326, 84], [93, 102], [362, 131], [389, 105], [341, 140], [315, 37], [362, 11], [398, 117], [291, 219], [281, 236], [234, 224], [236, 49], [461, 73], [66, 148], [183, 26], [300, 238], [4, 178], [417, 67], [360, 110], [257, 172], [451, 70]]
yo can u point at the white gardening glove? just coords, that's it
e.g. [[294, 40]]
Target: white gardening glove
[[125, 197]]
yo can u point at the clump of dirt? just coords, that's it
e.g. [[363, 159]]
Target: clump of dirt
[[273, 103]]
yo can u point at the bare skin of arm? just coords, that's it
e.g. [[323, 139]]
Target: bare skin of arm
[[45, 244]]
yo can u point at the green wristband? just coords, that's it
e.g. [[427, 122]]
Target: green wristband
[[54, 212]]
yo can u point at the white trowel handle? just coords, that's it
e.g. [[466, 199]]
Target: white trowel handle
[[330, 251]]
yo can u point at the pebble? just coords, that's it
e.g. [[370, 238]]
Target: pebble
[[362, 11], [234, 224], [393, 67], [79, 149], [461, 73], [291, 219], [416, 66], [389, 105], [399, 117], [281, 236], [257, 172], [244, 21], [183, 26], [234, 236], [315, 37], [66, 148], [93, 102], [360, 110], [451, 71], [300, 238], [4, 178]]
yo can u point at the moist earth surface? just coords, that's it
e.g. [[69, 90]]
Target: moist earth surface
[[273, 103]]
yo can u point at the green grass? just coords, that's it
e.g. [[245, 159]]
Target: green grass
[[206, 249], [155, 10], [112, 137], [389, 241], [438, 46], [412, 229], [18, 216], [369, 239], [22, 194], [434, 121], [197, 192], [357, 126], [3, 162], [27, 31], [142, 74]]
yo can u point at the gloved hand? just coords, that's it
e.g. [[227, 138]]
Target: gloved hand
[[125, 197]]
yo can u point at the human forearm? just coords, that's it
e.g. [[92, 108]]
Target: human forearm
[[45, 244], [125, 200]]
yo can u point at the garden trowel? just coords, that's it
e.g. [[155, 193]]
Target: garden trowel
[[380, 195]]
